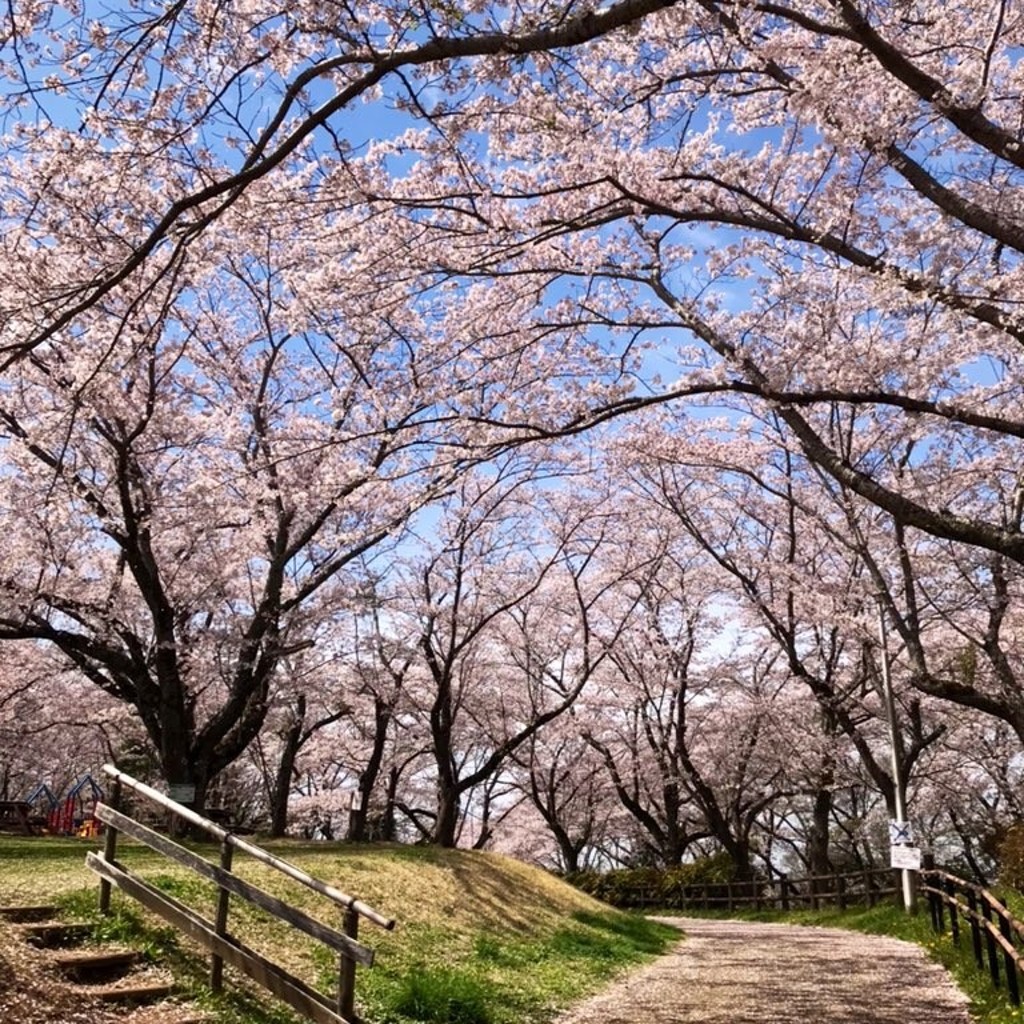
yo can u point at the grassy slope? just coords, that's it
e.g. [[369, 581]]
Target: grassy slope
[[480, 938]]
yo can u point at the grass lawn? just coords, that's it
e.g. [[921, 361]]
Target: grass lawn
[[480, 939]]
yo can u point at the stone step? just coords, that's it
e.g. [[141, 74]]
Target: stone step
[[137, 992], [84, 965], [50, 934], [30, 913]]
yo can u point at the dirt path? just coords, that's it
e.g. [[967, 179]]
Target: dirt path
[[732, 972]]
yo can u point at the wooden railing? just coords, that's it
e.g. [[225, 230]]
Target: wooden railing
[[996, 935], [214, 935], [841, 889]]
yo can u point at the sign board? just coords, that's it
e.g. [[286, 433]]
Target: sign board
[[182, 794], [907, 858], [901, 833]]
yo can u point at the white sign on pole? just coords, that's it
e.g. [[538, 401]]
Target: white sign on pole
[[907, 858], [900, 833]]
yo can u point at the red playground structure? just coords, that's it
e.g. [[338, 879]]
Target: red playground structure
[[73, 815]]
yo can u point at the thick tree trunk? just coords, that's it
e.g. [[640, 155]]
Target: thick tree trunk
[[447, 825], [187, 784], [359, 816], [740, 855], [569, 855], [675, 839], [292, 740], [387, 826], [818, 860], [357, 820]]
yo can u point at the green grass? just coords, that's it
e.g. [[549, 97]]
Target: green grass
[[988, 1005], [480, 939], [443, 997]]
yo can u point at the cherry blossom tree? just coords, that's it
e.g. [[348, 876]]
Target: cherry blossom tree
[[680, 724], [639, 177], [311, 696], [55, 727], [812, 207], [219, 395], [280, 274], [569, 790], [506, 633], [787, 546], [131, 132], [381, 663], [182, 519]]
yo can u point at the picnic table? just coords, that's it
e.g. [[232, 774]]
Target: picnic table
[[14, 817]]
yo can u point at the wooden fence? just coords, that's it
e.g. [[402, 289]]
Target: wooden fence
[[841, 889], [214, 935], [996, 935]]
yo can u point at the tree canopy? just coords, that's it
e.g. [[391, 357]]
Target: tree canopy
[[290, 286]]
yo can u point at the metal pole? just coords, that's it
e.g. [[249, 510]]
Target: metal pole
[[909, 895]]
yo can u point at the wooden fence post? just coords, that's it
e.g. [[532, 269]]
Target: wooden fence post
[[869, 888], [109, 849], [927, 866], [1009, 963], [972, 902], [347, 969], [990, 943], [841, 891], [954, 920], [220, 924], [940, 914], [935, 912]]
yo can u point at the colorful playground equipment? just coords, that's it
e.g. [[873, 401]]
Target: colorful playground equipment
[[43, 812], [73, 816], [42, 802]]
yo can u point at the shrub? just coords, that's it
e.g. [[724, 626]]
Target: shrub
[[619, 887], [442, 997]]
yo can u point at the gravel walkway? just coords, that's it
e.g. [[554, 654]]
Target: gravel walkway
[[734, 972]]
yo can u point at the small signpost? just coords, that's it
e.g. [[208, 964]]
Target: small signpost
[[901, 833], [182, 793], [903, 854], [906, 858]]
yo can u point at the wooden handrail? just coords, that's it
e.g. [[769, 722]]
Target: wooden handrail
[[841, 888], [980, 891], [1005, 933], [784, 879], [224, 948], [232, 883], [254, 851], [963, 908]]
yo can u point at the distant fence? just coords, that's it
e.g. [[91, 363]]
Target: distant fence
[[214, 934], [997, 937], [840, 889]]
